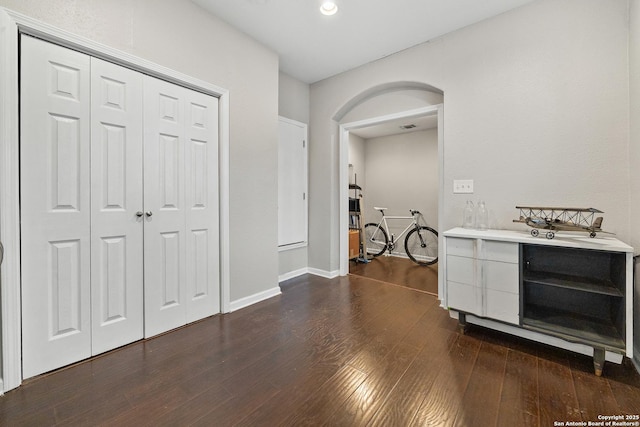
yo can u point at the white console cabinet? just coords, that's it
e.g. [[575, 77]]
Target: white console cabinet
[[574, 292]]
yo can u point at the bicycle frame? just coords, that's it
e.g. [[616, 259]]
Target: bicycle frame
[[420, 243], [393, 239]]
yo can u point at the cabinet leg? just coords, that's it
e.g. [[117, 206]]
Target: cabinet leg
[[598, 361], [462, 323]]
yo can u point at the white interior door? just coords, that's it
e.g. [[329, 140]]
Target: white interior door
[[292, 182], [116, 198], [55, 206], [181, 206], [202, 227], [164, 203]]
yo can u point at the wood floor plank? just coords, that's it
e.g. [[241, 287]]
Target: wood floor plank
[[407, 396], [519, 399], [383, 374], [443, 400], [556, 393], [194, 409], [328, 399], [233, 410], [290, 398], [623, 380], [88, 414], [343, 351], [430, 319], [19, 415], [481, 399], [594, 393], [155, 404]]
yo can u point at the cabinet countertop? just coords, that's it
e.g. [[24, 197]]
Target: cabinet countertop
[[571, 240]]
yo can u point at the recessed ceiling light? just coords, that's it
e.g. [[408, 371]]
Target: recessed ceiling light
[[328, 7]]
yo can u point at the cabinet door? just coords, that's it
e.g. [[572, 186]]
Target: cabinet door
[[55, 206], [500, 281], [482, 278], [503, 306], [461, 247], [501, 276], [461, 270], [463, 292], [116, 196], [500, 251]]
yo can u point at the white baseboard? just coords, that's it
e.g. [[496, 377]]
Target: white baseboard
[[292, 274], [324, 273], [308, 270], [255, 298]]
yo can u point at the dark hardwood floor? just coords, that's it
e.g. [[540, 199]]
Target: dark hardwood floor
[[343, 352], [399, 271]]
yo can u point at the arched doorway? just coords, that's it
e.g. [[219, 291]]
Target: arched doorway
[[360, 112]]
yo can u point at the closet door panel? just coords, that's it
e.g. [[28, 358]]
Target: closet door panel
[[55, 206], [116, 230], [203, 292], [164, 201]]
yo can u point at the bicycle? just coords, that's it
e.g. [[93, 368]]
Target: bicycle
[[421, 243]]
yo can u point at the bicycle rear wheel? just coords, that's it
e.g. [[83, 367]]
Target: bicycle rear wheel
[[421, 245], [375, 239]]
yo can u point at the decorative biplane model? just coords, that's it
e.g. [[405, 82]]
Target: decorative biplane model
[[560, 219]]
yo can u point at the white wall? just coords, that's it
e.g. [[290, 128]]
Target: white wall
[[535, 111], [293, 103], [181, 36], [634, 152], [293, 98], [402, 174]]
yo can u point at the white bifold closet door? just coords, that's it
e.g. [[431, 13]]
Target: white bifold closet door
[[116, 199], [181, 206], [81, 185], [119, 206]]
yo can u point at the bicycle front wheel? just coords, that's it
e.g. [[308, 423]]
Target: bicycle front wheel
[[421, 245], [375, 239]]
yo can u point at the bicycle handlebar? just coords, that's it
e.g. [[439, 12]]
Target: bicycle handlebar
[[414, 212]]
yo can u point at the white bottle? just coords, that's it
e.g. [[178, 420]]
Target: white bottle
[[482, 216], [468, 215]]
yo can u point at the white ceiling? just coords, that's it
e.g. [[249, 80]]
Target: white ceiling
[[394, 127], [313, 47]]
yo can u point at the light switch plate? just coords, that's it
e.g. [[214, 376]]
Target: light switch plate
[[463, 186]]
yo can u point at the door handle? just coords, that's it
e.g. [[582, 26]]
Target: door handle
[[139, 214], [148, 214]]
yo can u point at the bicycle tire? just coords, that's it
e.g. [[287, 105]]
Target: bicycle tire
[[373, 239], [421, 245]]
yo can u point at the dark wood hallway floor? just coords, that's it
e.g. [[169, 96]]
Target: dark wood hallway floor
[[343, 352], [399, 271]]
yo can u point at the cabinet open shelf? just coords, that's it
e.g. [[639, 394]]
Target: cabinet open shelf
[[574, 326], [574, 294], [586, 284]]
